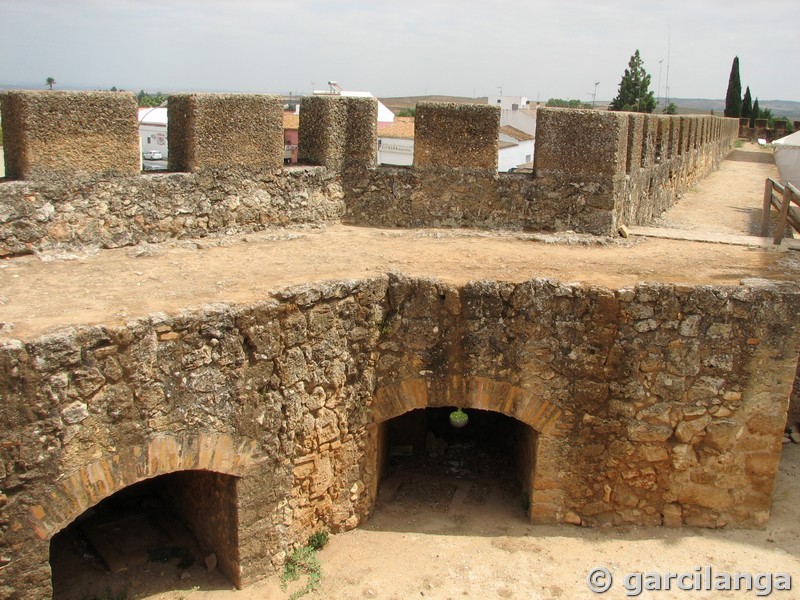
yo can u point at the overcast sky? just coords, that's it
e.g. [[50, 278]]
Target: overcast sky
[[409, 47]]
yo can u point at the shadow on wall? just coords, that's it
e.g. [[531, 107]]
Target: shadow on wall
[[426, 464], [164, 533]]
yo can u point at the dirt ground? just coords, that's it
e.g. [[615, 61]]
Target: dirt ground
[[450, 536], [42, 292]]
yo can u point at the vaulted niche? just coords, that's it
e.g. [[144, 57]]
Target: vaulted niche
[[170, 532], [430, 466]]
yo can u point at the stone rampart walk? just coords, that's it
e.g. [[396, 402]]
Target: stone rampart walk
[[725, 207], [39, 293]]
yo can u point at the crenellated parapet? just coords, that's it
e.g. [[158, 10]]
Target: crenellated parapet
[[74, 179]]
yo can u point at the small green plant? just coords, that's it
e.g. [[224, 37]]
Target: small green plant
[[318, 540], [738, 143], [388, 325], [303, 561]]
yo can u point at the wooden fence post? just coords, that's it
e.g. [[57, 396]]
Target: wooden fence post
[[784, 211], [766, 208]]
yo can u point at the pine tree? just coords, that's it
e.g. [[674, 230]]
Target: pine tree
[[733, 99], [747, 104], [754, 114], [634, 89]]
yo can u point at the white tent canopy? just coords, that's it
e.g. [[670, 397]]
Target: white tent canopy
[[787, 158]]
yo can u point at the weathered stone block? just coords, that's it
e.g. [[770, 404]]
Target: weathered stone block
[[762, 463], [639, 431], [456, 135], [706, 496], [672, 515], [649, 139], [338, 132], [580, 143], [687, 430], [213, 131], [721, 434], [635, 140], [49, 134]]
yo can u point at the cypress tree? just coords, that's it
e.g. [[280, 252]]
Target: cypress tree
[[733, 99], [754, 114], [747, 104]]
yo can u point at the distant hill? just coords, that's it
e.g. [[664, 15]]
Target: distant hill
[[401, 103], [686, 106], [780, 108]]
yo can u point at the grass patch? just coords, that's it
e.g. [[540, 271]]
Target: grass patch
[[303, 561]]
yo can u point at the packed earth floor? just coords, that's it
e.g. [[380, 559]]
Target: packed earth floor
[[467, 536]]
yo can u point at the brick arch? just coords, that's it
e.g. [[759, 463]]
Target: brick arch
[[161, 455], [469, 392]]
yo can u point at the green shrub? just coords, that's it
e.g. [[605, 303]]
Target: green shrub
[[318, 540], [303, 561]]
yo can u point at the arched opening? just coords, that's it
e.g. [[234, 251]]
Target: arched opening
[[476, 472], [174, 531]]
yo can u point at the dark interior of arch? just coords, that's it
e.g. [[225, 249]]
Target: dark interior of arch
[[171, 532], [431, 465]]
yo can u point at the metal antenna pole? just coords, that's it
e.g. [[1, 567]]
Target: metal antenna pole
[[658, 92], [666, 89]]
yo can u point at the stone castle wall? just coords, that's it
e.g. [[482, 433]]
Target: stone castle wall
[[658, 404], [760, 129], [593, 171], [76, 213], [76, 182]]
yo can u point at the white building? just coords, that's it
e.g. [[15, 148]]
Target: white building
[[517, 131], [384, 114], [516, 111], [510, 102], [396, 142], [516, 148], [153, 129]]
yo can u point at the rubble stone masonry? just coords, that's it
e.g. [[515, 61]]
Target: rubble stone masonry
[[79, 213], [593, 172], [652, 405], [657, 404]]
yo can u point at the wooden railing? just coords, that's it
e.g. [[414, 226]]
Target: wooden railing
[[781, 198]]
